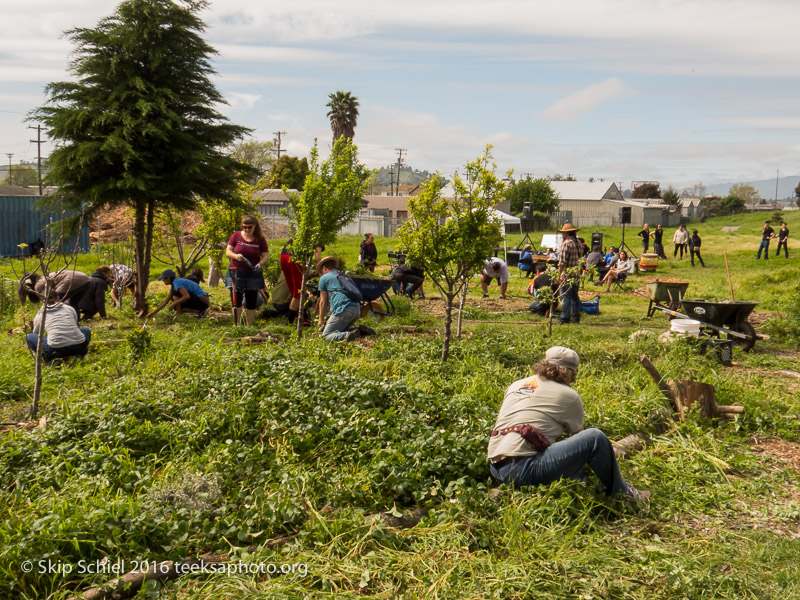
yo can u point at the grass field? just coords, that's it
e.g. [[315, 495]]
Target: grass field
[[180, 439]]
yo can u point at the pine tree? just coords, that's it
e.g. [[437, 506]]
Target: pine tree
[[138, 125]]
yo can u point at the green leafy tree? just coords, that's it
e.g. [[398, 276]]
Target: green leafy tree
[[671, 196], [343, 114], [289, 172], [647, 190], [797, 195], [22, 175], [331, 198], [258, 154], [537, 191], [138, 125], [746, 192], [731, 205], [451, 238]]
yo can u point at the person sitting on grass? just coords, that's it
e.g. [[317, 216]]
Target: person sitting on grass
[[63, 337], [624, 265], [184, 296], [523, 447], [344, 312], [544, 286], [525, 263], [406, 278]]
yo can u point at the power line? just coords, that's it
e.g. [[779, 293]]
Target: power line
[[399, 164], [38, 141]]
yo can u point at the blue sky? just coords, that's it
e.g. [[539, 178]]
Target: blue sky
[[677, 92]]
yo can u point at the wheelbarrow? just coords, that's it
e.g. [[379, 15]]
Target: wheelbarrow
[[666, 292], [374, 292], [728, 317]]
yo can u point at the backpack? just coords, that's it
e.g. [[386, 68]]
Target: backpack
[[349, 288]]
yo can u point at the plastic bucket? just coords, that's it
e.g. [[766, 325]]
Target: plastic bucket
[[648, 263], [687, 327]]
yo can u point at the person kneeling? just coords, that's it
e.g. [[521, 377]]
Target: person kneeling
[[523, 449], [184, 295], [63, 336], [344, 312]]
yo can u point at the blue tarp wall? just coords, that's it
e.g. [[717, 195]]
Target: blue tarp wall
[[22, 223]]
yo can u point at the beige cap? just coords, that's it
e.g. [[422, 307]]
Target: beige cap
[[563, 356]]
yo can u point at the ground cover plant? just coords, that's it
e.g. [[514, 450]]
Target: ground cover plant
[[178, 438]]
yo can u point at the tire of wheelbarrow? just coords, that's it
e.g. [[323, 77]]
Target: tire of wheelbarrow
[[747, 329]]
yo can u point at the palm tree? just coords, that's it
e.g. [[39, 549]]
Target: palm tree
[[343, 114]]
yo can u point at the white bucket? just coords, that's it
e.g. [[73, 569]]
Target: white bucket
[[688, 327]]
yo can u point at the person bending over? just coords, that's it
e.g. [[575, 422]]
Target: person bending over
[[184, 296], [523, 447], [495, 268], [409, 281], [94, 302]]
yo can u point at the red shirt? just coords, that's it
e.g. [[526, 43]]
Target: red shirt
[[252, 251]]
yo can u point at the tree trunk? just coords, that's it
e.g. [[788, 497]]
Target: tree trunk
[[138, 241], [461, 304], [213, 273], [37, 382], [300, 308], [448, 322]]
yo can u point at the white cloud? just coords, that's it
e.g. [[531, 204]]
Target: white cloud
[[242, 101], [577, 104]]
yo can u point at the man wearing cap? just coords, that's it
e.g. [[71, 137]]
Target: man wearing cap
[[569, 274], [344, 312], [495, 268], [523, 449], [184, 295]]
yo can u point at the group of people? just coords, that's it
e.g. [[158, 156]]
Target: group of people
[[767, 234]]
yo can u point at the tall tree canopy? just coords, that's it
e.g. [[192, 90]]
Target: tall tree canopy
[[138, 126], [343, 114], [647, 190], [537, 191], [288, 171], [258, 154]]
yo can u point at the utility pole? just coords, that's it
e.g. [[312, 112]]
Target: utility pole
[[399, 164], [10, 179], [391, 181], [38, 141], [278, 134]]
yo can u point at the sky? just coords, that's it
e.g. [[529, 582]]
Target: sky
[[678, 91]]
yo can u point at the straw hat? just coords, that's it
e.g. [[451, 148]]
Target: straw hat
[[327, 260], [568, 228]]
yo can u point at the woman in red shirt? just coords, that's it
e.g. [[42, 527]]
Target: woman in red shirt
[[247, 250]]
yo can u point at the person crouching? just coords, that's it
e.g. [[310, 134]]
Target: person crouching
[[536, 410], [344, 312], [62, 337], [184, 296]]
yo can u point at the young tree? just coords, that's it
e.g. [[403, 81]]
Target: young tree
[[343, 114], [537, 191], [451, 238], [138, 126], [331, 198]]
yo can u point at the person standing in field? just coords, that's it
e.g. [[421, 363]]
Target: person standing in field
[[248, 252], [368, 254], [694, 247], [569, 275], [658, 242], [783, 237], [681, 240], [645, 234], [767, 233]]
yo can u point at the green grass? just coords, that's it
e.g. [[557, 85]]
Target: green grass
[[198, 443]]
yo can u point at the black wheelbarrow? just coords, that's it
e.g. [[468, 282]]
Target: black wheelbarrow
[[729, 317], [374, 292]]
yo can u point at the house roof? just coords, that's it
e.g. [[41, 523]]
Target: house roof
[[272, 195], [586, 190]]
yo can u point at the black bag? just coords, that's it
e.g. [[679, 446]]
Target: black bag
[[349, 288]]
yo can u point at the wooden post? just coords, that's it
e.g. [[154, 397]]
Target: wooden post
[[728, 269]]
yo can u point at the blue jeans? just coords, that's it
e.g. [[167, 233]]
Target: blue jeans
[[765, 247], [570, 303], [567, 459], [49, 353], [337, 326]]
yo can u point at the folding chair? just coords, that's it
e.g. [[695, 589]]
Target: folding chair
[[619, 282]]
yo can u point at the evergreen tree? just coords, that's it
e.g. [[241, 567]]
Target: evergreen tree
[[138, 125]]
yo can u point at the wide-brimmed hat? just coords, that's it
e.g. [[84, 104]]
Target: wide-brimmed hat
[[327, 260], [527, 247], [568, 228]]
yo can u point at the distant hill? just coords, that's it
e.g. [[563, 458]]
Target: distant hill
[[408, 175], [765, 187]]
